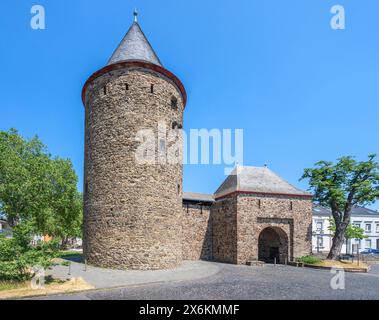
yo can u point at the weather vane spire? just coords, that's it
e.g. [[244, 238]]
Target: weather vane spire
[[135, 13]]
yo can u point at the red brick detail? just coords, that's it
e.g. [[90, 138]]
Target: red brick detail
[[236, 193]]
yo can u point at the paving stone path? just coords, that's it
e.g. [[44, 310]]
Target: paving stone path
[[207, 280]]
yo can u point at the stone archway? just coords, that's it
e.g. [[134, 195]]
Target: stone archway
[[273, 243]]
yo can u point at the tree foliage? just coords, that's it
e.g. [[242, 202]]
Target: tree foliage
[[352, 231], [38, 189], [18, 257], [342, 186]]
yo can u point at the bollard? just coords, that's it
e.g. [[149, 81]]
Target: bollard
[[85, 264], [274, 262], [69, 269]]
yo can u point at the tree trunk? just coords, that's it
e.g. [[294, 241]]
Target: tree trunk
[[64, 243], [338, 241], [12, 221]]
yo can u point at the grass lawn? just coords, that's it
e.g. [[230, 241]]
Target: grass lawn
[[11, 285], [76, 256], [341, 264], [18, 289], [345, 264], [9, 290]]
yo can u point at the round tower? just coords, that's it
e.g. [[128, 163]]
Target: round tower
[[132, 190]]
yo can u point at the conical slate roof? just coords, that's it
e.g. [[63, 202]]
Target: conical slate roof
[[135, 46], [259, 180]]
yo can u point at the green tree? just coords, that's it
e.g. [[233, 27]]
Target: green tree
[[342, 186], [66, 216], [18, 256], [38, 189], [23, 169], [352, 231]]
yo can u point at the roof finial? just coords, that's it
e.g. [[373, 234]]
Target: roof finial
[[135, 13]]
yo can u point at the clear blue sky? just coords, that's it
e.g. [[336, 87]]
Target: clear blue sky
[[301, 91]]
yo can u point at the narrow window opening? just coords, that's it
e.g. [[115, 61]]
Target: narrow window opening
[[105, 90], [178, 188], [162, 145], [86, 187], [176, 126], [126, 87], [259, 203], [291, 205], [152, 88], [174, 103]]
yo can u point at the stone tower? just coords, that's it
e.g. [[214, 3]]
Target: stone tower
[[132, 208]]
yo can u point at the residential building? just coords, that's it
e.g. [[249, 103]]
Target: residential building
[[4, 227], [364, 218]]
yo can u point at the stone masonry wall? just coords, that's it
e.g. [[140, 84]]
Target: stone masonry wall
[[197, 232], [293, 215], [235, 223], [224, 224], [132, 211]]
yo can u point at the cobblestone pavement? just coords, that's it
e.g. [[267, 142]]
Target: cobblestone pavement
[[107, 278], [255, 283]]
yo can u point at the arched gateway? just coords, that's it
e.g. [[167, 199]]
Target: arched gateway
[[273, 244]]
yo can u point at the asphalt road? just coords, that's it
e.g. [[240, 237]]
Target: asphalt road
[[249, 283]]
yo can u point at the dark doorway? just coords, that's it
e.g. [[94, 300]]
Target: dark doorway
[[273, 245], [274, 253]]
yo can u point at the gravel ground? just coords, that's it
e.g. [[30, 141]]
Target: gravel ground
[[249, 283]]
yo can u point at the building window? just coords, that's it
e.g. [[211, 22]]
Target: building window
[[291, 205], [126, 87], [377, 228], [178, 188], [176, 126], [174, 103], [259, 203], [86, 187], [105, 90], [368, 227], [162, 145], [357, 224], [320, 243], [151, 88], [319, 226], [368, 243]]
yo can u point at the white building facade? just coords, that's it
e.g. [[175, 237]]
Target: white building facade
[[4, 227], [364, 218]]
